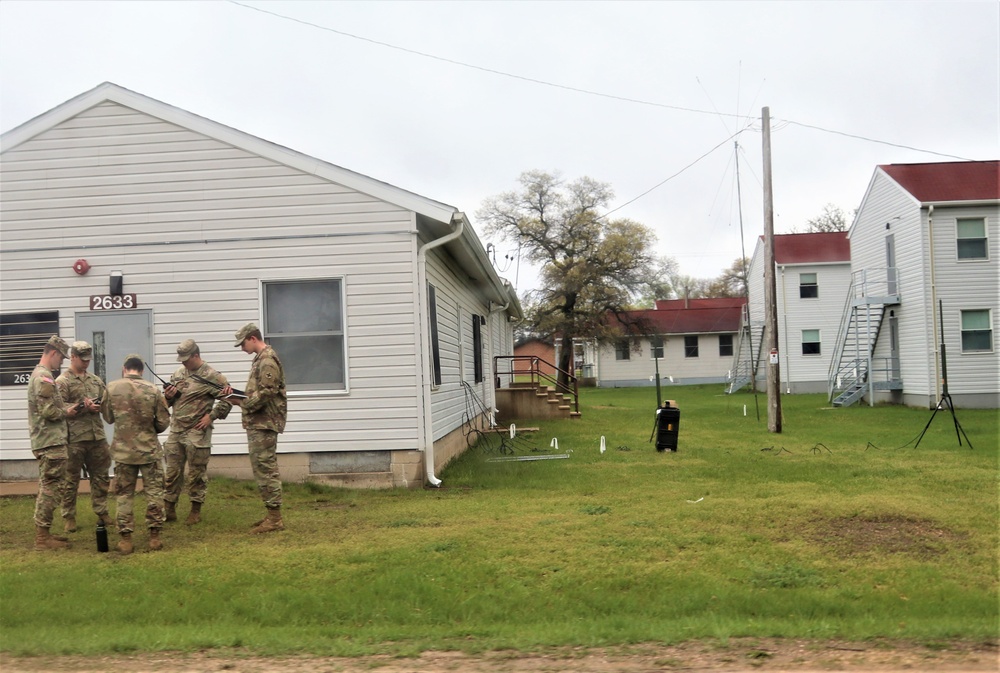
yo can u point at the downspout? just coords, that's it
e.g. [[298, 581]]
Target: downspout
[[493, 384], [784, 329], [934, 323], [458, 220]]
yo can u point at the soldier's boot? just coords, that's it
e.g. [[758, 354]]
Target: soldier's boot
[[154, 540], [169, 510], [125, 544], [195, 515], [271, 522], [44, 541], [69, 524]]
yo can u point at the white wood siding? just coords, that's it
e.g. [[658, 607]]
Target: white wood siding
[[796, 314], [195, 225], [709, 366], [968, 285], [887, 203], [456, 304]]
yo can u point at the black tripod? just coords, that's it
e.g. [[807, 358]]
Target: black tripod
[[945, 396]]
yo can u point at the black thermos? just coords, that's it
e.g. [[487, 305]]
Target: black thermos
[[102, 537]]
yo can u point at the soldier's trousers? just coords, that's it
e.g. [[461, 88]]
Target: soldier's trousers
[[51, 474], [126, 477], [96, 456], [263, 445], [181, 450]]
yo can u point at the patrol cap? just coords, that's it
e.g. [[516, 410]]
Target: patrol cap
[[134, 356], [186, 349], [244, 332], [56, 342], [82, 350]]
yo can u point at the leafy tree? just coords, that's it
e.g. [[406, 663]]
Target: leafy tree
[[833, 218], [732, 282], [591, 266]]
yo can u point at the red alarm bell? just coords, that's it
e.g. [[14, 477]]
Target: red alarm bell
[[81, 266]]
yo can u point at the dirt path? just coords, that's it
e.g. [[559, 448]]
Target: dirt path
[[737, 656]]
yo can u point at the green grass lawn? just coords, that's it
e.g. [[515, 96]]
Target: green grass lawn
[[835, 528]]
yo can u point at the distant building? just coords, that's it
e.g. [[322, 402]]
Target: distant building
[[694, 342], [812, 275]]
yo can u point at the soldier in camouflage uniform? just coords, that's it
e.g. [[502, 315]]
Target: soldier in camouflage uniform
[[139, 413], [193, 392], [265, 409], [47, 423], [88, 446]]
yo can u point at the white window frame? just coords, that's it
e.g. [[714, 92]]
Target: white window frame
[[984, 238], [653, 348], [268, 336], [696, 347], [814, 285], [818, 342], [962, 330], [731, 346], [623, 350]]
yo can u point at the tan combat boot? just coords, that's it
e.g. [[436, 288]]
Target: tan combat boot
[[69, 524], [195, 515], [154, 540], [44, 541], [271, 522], [125, 544], [169, 510]]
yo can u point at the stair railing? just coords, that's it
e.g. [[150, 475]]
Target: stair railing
[[537, 371]]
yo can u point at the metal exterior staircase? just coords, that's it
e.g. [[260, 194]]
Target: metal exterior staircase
[[746, 355], [854, 371]]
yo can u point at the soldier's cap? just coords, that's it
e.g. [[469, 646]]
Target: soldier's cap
[[186, 349], [56, 342], [82, 350], [132, 356], [244, 332]]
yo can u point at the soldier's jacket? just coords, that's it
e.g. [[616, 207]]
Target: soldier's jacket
[[85, 426], [46, 411], [266, 406], [139, 412], [195, 399]]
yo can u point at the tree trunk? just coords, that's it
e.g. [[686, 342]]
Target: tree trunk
[[565, 362]]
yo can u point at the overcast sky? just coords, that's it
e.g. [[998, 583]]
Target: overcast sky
[[454, 100]]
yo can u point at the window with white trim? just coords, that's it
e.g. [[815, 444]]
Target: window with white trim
[[810, 342], [977, 331], [725, 345], [808, 286], [622, 351], [435, 340], [304, 322], [971, 238], [691, 346], [656, 347]]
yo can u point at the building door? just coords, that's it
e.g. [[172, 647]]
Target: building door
[[894, 346], [115, 334], [890, 263]]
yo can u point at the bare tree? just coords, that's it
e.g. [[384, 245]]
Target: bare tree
[[591, 267]]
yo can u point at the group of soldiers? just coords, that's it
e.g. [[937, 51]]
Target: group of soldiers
[[66, 416]]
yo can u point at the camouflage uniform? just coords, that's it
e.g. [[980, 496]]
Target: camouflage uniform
[[139, 412], [88, 445], [49, 436], [264, 414], [186, 444]]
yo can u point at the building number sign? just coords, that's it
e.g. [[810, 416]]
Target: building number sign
[[110, 302]]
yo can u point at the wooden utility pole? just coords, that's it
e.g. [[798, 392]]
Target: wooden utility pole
[[770, 289]]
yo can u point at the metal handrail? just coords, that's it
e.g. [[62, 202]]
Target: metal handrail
[[536, 376]]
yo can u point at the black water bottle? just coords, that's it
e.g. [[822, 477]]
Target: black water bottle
[[102, 537]]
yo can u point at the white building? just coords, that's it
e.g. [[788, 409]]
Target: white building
[[812, 276], [133, 225], [925, 256], [689, 341]]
